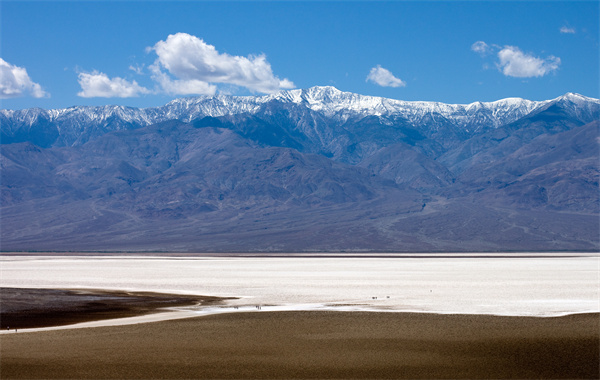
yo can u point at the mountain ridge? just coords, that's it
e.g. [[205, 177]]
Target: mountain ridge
[[326, 99], [286, 175]]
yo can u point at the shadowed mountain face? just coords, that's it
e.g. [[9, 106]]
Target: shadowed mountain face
[[303, 170]]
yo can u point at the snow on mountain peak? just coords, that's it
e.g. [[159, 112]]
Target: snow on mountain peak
[[576, 98], [326, 100], [333, 102]]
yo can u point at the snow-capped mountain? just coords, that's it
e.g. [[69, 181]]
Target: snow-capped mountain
[[303, 170], [333, 102], [76, 125]]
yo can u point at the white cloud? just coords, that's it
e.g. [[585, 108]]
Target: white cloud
[[480, 48], [515, 63], [96, 84], [384, 77], [15, 82], [567, 30], [181, 86], [195, 64], [139, 70]]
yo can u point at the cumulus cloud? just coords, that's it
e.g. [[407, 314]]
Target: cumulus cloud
[[480, 48], [97, 84], [384, 77], [15, 82], [180, 86], [194, 64], [514, 63], [567, 30]]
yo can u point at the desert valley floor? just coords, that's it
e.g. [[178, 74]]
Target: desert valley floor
[[379, 316]]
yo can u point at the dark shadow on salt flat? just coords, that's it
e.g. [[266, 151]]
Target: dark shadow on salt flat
[[32, 308]]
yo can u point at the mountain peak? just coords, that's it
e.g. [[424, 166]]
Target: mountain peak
[[322, 91], [309, 95], [576, 98]]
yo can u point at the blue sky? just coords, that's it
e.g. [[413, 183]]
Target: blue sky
[[57, 54]]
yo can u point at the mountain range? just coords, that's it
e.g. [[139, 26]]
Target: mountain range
[[303, 170]]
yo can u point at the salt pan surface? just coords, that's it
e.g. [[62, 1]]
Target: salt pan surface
[[531, 286]]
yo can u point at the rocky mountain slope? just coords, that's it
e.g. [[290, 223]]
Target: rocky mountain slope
[[303, 170]]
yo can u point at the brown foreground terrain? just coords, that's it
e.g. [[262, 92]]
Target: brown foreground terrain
[[315, 344]]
